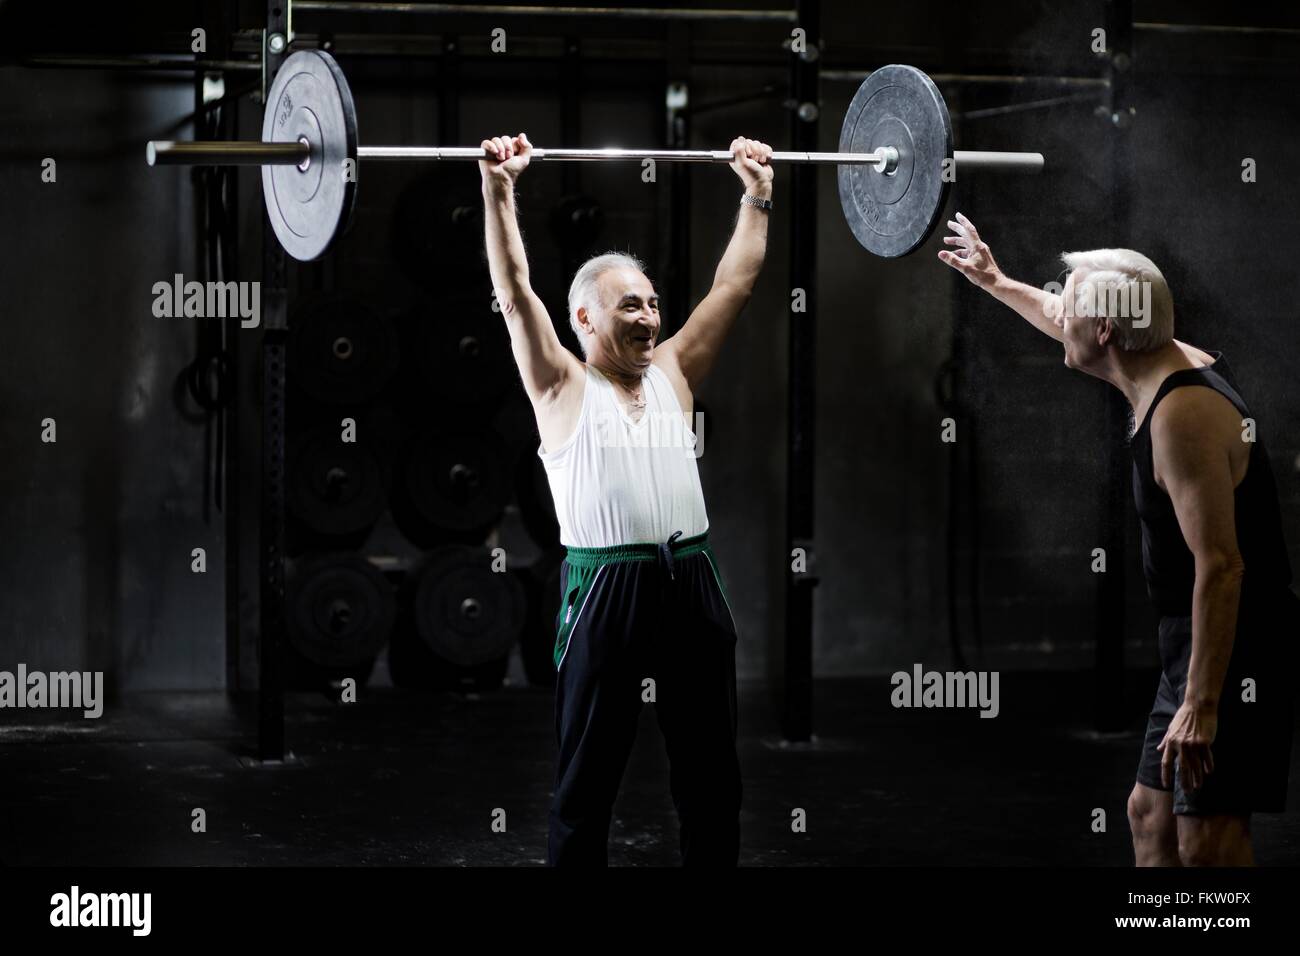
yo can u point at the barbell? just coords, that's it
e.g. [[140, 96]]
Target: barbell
[[895, 159]]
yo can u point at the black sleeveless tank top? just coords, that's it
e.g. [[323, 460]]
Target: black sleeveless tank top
[[1166, 560]]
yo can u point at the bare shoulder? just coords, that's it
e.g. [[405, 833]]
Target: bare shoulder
[[1196, 441], [1194, 417], [570, 387], [666, 361], [557, 411], [573, 375], [667, 354]]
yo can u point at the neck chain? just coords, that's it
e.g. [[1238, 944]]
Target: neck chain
[[636, 399]]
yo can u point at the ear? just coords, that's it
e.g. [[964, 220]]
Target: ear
[[1105, 331], [584, 319]]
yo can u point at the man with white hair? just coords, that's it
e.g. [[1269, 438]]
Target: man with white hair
[[644, 615], [1218, 741]]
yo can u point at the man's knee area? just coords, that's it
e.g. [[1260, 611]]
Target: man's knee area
[[1145, 816]]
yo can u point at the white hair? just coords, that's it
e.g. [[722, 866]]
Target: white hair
[[583, 292], [1121, 285]]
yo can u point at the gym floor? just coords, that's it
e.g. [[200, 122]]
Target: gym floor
[[403, 780]]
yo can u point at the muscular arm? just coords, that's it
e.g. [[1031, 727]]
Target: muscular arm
[[697, 344], [695, 347], [1191, 435], [974, 260], [545, 365]]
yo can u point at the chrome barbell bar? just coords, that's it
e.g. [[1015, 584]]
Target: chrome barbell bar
[[255, 153]]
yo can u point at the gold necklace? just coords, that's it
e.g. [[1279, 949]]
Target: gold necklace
[[635, 400]]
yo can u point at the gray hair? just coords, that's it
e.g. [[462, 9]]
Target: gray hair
[[583, 292], [1121, 285]]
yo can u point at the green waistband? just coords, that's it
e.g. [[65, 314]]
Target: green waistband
[[595, 557]]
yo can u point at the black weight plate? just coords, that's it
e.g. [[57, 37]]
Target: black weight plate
[[412, 665], [437, 231], [385, 430], [340, 609], [462, 352], [457, 481], [309, 100], [576, 222], [541, 582], [303, 674], [536, 503], [465, 612], [341, 352], [892, 214], [334, 487], [516, 423]]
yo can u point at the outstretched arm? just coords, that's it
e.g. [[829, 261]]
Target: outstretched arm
[[695, 347], [544, 363], [974, 260]]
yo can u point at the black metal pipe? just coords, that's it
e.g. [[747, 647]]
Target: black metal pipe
[[988, 79], [1111, 593], [797, 706], [1150, 27], [217, 153], [516, 10], [272, 616], [140, 63]]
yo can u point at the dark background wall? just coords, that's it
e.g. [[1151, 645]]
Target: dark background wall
[[98, 527]]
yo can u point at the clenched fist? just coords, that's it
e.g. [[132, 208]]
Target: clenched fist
[[751, 164], [510, 155]]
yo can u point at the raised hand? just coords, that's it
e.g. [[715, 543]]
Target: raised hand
[[510, 154], [973, 258]]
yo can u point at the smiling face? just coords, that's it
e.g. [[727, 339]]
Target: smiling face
[[623, 322]]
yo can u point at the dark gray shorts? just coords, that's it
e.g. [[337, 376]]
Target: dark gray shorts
[[1252, 746]]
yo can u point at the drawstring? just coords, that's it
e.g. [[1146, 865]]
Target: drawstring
[[666, 553]]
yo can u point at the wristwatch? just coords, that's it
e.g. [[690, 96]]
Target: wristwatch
[[756, 201]]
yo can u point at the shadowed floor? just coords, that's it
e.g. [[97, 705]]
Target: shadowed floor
[[401, 778]]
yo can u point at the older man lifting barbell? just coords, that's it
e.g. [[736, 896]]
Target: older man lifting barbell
[[643, 599]]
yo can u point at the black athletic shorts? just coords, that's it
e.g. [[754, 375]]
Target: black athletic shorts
[[1252, 745]]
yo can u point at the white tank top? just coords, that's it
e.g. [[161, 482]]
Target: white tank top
[[618, 482]]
